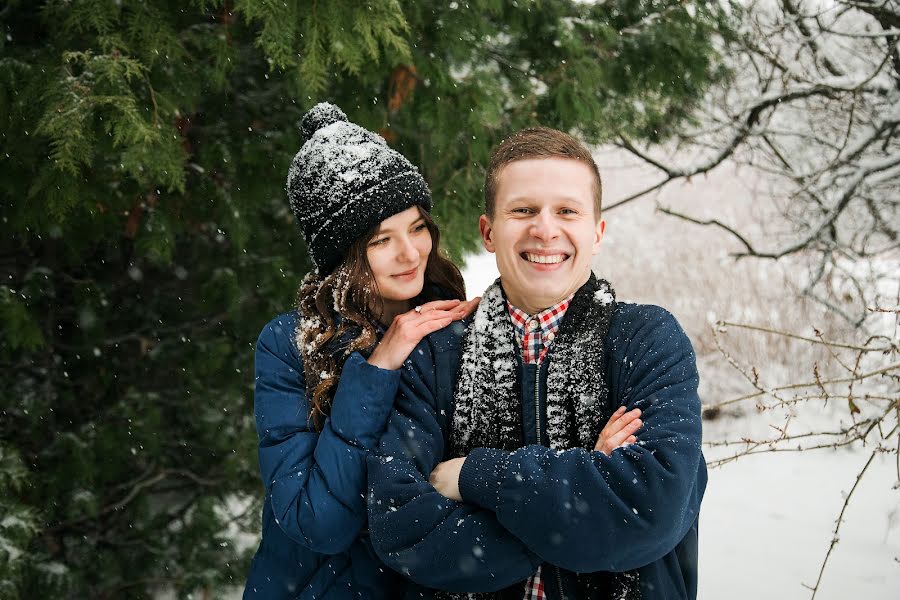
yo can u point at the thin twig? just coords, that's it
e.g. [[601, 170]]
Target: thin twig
[[794, 386], [837, 527], [819, 339], [895, 310]]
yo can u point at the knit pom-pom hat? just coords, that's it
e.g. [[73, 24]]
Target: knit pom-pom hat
[[344, 181]]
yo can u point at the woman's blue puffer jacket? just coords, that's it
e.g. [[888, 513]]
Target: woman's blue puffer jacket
[[314, 539]]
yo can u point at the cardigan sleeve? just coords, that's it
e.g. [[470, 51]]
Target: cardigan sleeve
[[432, 540], [617, 512], [315, 481]]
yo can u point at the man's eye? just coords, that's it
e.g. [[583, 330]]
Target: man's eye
[[569, 211], [522, 210]]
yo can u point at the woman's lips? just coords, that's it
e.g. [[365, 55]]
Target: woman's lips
[[407, 275]]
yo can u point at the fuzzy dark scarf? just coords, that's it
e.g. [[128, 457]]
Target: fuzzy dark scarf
[[488, 405]]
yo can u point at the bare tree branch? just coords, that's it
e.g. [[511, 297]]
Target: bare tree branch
[[813, 104]]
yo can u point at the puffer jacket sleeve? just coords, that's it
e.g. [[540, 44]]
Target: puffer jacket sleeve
[[619, 512], [432, 540], [315, 481]]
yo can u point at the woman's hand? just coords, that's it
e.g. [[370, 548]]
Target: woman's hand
[[619, 431], [408, 329]]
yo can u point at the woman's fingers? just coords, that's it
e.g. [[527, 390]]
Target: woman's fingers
[[428, 322], [454, 314], [440, 309], [433, 325], [431, 315], [433, 309], [467, 308], [438, 305]]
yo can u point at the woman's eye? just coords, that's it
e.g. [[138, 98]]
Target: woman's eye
[[378, 242], [421, 227]]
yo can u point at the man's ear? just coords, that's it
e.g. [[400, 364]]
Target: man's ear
[[601, 227], [487, 233]]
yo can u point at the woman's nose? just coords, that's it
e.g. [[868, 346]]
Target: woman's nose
[[408, 251]]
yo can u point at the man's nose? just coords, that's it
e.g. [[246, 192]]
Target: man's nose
[[544, 226]]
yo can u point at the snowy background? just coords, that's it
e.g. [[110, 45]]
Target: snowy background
[[767, 520]]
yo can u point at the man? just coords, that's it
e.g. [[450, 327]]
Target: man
[[526, 506]]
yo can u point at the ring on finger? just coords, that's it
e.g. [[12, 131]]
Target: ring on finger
[[418, 309]]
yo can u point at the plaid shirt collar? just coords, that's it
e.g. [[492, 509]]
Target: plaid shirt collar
[[535, 333]]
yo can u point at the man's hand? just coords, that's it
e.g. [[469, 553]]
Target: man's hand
[[445, 478], [619, 431]]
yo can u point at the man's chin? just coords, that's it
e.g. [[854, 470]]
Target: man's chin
[[535, 296]]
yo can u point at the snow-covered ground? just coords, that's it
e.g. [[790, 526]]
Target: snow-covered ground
[[767, 520]]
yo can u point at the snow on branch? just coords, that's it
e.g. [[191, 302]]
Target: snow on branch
[[813, 104]]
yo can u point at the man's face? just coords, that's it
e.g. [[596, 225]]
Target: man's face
[[544, 230]]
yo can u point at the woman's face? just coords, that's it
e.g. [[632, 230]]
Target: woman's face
[[398, 255]]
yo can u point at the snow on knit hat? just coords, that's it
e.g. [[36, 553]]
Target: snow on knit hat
[[344, 181]]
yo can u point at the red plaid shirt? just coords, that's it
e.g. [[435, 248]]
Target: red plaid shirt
[[535, 334]]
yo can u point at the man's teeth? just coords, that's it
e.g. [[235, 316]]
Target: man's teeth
[[539, 258]]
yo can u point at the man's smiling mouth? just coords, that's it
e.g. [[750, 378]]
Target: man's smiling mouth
[[544, 259]]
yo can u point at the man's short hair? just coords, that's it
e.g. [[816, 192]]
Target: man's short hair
[[537, 142]]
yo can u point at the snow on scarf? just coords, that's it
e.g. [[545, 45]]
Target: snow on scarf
[[487, 404]]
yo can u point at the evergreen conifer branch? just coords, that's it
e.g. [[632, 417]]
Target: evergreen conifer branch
[[145, 150]]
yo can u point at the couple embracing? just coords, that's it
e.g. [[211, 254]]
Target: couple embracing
[[543, 442]]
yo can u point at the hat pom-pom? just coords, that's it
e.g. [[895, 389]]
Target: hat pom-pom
[[319, 116]]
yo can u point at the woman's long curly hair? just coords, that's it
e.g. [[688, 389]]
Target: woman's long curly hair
[[351, 292]]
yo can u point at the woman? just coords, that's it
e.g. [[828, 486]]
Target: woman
[[326, 375]]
